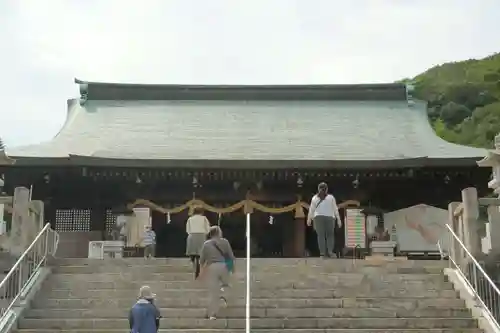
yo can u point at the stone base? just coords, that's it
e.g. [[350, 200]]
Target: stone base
[[383, 248], [106, 249], [381, 257]]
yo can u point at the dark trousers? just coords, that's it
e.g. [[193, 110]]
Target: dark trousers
[[196, 265], [325, 230]]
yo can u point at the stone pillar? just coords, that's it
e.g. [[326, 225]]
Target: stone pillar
[[454, 248], [470, 218], [20, 220], [494, 221]]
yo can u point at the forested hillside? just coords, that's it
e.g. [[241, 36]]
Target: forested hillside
[[464, 100]]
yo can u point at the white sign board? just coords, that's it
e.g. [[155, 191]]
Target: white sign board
[[143, 215], [419, 228], [355, 228]]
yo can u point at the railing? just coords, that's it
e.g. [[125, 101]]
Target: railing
[[22, 274], [480, 284]]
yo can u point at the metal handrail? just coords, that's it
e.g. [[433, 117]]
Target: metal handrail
[[471, 278], [25, 268]]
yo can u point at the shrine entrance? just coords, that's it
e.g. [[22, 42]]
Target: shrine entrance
[[171, 235], [275, 231]]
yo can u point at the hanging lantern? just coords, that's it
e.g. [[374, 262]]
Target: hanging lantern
[[219, 218], [236, 185], [300, 182], [168, 218], [271, 220]]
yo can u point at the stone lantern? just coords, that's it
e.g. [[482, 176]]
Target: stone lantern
[[492, 160]]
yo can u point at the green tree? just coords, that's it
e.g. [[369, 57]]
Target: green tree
[[463, 99], [453, 114]]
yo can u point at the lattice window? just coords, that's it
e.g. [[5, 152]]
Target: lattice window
[[110, 220], [73, 219]]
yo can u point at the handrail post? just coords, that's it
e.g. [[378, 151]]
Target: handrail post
[[453, 221], [46, 250]]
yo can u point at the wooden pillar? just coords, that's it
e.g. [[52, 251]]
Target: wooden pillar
[[288, 234], [470, 220], [299, 237]]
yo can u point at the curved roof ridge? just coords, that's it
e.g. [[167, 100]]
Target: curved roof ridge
[[439, 144], [132, 91]]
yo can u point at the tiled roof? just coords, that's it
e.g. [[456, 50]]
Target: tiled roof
[[250, 130]]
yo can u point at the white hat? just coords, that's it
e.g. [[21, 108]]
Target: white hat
[[146, 293]]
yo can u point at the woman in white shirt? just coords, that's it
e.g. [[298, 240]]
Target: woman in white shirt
[[197, 228], [323, 213]]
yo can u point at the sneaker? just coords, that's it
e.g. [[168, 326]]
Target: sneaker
[[224, 302], [212, 318]]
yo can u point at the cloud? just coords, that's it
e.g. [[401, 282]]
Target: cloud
[[192, 41]]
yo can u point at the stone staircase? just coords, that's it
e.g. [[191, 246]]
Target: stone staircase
[[94, 296], [333, 296], [288, 295]]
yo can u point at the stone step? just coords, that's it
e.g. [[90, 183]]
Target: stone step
[[177, 290], [320, 330], [239, 312], [122, 285], [148, 269], [184, 330], [260, 262], [271, 323], [182, 300], [353, 278]]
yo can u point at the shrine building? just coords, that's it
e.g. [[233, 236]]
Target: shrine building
[[234, 149]]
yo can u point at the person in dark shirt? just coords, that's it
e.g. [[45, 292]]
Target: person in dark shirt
[[144, 317]]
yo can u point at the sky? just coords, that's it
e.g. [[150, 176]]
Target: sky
[[46, 44]]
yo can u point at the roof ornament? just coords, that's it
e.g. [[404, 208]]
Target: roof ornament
[[497, 142], [84, 91], [4, 159], [409, 93]]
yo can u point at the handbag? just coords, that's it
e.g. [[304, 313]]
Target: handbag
[[319, 203], [229, 262]]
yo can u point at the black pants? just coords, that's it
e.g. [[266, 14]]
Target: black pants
[[196, 264]]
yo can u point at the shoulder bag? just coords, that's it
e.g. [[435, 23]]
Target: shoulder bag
[[227, 260]]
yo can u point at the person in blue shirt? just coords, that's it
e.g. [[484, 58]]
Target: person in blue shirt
[[144, 316]]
